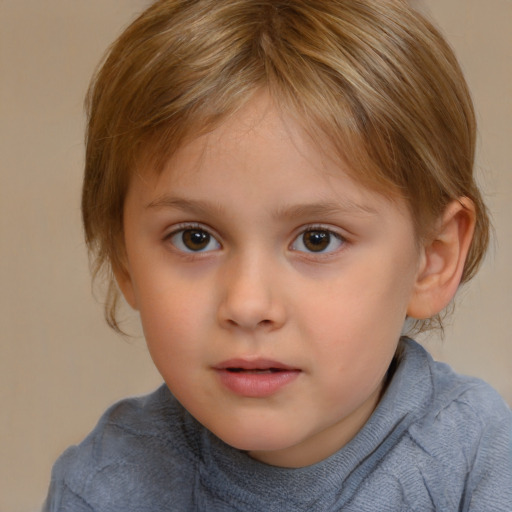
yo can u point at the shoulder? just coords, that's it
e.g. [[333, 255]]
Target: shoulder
[[464, 435], [446, 390], [470, 402], [461, 407], [136, 445]]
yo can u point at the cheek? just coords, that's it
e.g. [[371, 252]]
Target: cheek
[[357, 302], [173, 316], [174, 340], [356, 322]]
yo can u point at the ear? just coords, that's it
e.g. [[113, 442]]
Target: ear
[[125, 283], [442, 260]]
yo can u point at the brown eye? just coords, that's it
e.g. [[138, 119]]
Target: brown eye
[[194, 240], [317, 241]]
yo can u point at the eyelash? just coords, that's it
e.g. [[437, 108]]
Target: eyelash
[[316, 228], [328, 235], [184, 228]]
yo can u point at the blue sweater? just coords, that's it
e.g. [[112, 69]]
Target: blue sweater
[[437, 441]]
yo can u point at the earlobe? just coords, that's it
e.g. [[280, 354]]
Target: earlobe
[[124, 281], [442, 260]]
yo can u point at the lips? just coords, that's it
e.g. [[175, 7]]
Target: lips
[[258, 378]]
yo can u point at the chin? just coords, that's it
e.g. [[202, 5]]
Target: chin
[[255, 439]]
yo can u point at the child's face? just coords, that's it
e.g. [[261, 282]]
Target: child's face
[[272, 288]]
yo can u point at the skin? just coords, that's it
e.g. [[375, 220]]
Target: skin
[[255, 186]]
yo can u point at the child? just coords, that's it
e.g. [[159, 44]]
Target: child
[[276, 186]]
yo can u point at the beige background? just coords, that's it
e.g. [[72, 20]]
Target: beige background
[[60, 366]]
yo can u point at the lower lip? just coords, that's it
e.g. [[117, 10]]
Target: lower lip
[[256, 384]]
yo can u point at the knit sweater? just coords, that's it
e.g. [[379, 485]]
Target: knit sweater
[[437, 441]]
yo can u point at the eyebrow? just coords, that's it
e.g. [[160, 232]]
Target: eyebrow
[[187, 205], [320, 209], [344, 207]]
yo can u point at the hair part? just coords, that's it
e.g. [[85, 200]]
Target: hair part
[[372, 81]]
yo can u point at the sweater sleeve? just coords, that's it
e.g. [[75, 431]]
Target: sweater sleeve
[[489, 483], [61, 498]]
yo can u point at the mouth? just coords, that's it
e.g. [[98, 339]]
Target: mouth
[[255, 379], [255, 371]]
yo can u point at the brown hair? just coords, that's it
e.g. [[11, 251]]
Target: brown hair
[[373, 79]]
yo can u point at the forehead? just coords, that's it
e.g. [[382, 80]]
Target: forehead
[[327, 140], [262, 157]]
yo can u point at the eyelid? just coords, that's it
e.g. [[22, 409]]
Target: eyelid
[[184, 226], [180, 226], [334, 231]]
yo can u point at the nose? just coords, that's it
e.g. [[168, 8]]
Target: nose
[[251, 296]]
